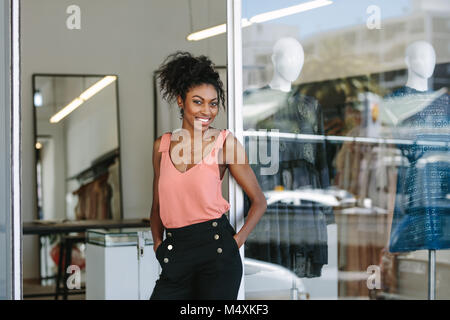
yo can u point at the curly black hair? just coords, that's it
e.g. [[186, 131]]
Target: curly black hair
[[181, 71]]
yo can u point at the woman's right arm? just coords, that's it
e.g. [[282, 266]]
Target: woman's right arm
[[155, 220]]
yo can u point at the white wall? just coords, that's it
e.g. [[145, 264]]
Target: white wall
[[127, 38], [53, 170]]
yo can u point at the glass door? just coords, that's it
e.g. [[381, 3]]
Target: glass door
[[345, 122], [10, 232]]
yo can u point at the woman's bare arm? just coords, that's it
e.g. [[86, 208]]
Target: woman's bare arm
[[155, 220], [237, 162]]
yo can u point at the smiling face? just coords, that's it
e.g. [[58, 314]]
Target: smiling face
[[201, 106]]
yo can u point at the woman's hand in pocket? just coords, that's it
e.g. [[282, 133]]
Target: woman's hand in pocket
[[156, 245], [238, 240]]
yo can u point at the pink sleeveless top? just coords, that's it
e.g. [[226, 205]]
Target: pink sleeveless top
[[195, 195]]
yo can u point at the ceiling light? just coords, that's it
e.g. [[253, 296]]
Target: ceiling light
[[276, 14], [97, 87], [66, 110], [87, 94], [263, 17], [206, 33], [38, 98], [213, 31]]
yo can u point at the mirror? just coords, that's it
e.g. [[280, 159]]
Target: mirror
[[76, 120]]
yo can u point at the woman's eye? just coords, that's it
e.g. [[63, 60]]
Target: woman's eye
[[197, 102], [214, 104]]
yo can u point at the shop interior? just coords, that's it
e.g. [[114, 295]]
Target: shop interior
[[337, 94]]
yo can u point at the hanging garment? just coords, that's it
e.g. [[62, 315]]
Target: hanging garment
[[293, 235], [366, 171], [94, 199], [433, 113], [114, 183], [422, 207]]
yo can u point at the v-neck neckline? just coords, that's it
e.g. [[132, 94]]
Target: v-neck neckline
[[198, 163]]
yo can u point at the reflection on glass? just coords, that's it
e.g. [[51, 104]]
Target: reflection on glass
[[360, 119]]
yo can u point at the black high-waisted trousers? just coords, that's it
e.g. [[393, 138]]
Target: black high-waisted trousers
[[200, 261]]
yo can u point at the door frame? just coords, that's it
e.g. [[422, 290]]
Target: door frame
[[16, 155], [235, 120], [10, 152]]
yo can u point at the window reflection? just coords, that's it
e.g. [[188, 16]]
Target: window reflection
[[361, 118]]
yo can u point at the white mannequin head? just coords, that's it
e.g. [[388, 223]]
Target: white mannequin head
[[287, 58], [420, 58]]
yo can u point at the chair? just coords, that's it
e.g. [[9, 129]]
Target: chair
[[65, 250]]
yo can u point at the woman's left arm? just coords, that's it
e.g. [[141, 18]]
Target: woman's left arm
[[237, 162]]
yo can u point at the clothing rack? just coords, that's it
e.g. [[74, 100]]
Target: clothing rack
[[285, 136], [98, 167]]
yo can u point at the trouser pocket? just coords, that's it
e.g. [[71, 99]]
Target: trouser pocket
[[232, 232], [158, 253], [161, 252]]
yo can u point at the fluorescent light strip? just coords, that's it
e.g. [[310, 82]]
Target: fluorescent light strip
[[276, 14], [263, 17], [87, 94], [206, 33], [66, 110], [213, 31], [97, 87]]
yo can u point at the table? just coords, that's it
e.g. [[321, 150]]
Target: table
[[48, 227]]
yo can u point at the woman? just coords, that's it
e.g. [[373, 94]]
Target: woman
[[200, 254]]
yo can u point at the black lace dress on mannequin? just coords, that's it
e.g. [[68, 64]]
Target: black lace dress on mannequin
[[291, 234]]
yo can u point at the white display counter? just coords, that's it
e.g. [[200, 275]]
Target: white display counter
[[119, 266]]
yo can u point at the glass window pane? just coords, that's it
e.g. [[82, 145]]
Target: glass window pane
[[346, 114]]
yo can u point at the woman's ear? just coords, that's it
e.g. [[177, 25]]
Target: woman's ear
[[179, 101]]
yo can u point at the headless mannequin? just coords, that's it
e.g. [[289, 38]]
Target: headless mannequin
[[420, 59], [287, 58]]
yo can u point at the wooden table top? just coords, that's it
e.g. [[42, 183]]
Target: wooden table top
[[65, 226]]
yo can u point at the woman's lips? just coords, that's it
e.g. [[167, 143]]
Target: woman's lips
[[203, 120]]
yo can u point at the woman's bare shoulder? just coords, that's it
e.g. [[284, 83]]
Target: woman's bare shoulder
[[230, 140], [157, 143]]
